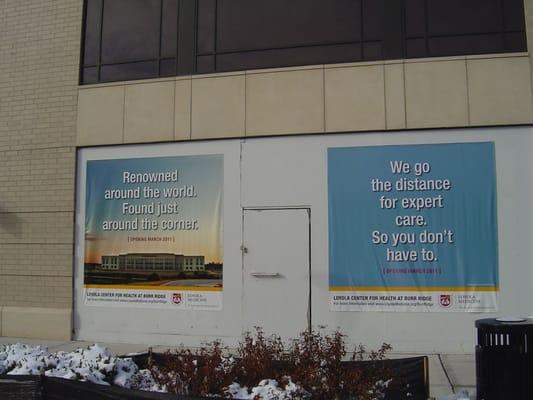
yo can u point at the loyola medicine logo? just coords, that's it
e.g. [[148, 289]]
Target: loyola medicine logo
[[445, 300], [176, 298]]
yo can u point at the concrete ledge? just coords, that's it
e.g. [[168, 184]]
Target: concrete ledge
[[443, 92], [37, 323], [500, 91]]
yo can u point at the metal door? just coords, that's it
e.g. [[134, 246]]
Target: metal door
[[276, 268]]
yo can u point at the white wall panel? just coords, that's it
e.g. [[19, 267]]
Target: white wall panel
[[160, 326], [291, 172]]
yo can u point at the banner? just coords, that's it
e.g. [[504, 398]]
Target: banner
[[413, 228], [153, 232]]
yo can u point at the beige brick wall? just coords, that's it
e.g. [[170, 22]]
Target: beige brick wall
[[528, 9], [39, 56]]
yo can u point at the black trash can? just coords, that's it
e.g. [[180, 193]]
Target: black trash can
[[504, 359]]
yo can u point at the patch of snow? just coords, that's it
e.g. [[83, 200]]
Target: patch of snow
[[267, 389], [94, 364], [379, 389], [140, 353], [462, 395], [237, 392]]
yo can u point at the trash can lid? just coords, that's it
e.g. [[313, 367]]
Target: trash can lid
[[521, 324], [510, 319]]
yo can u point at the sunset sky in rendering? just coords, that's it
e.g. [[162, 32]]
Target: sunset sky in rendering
[[199, 191]]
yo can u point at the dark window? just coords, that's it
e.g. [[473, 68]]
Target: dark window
[[284, 24], [457, 27], [250, 34], [93, 23], [169, 29], [129, 39], [136, 39], [133, 35]]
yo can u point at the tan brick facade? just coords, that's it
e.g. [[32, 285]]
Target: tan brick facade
[[39, 56], [445, 92]]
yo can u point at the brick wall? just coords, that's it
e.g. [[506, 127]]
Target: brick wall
[[39, 56]]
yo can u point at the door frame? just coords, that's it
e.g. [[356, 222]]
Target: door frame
[[283, 208]]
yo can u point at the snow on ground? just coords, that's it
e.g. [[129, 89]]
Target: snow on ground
[[267, 389], [97, 365], [93, 364], [462, 395]]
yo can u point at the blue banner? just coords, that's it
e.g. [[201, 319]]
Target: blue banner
[[413, 227]]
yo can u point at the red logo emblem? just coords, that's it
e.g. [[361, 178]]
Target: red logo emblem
[[445, 300], [176, 298]]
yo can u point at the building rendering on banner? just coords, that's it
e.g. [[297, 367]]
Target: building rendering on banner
[[364, 165], [157, 262]]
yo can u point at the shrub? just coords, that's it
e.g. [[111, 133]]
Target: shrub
[[258, 357], [310, 366], [317, 363], [319, 368], [369, 374], [187, 372]]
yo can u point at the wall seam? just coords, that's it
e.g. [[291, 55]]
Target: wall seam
[[37, 243], [385, 108], [245, 106], [468, 108], [174, 110], [190, 109], [530, 78], [31, 243], [22, 149], [404, 95], [36, 275], [124, 114], [37, 212], [528, 16], [324, 107]]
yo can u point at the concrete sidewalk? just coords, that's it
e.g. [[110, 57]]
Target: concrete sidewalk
[[448, 373]]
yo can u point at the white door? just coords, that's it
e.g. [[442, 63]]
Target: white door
[[276, 259]]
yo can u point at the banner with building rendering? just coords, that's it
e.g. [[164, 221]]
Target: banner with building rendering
[[153, 232], [413, 228]]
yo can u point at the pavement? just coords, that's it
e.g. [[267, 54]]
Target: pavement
[[451, 373], [448, 373]]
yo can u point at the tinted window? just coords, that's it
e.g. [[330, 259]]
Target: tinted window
[[131, 30], [456, 27], [259, 24], [93, 18], [461, 17], [513, 15], [373, 19], [122, 72], [206, 26], [415, 18], [169, 28], [134, 39]]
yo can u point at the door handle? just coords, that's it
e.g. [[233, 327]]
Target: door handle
[[265, 274]]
